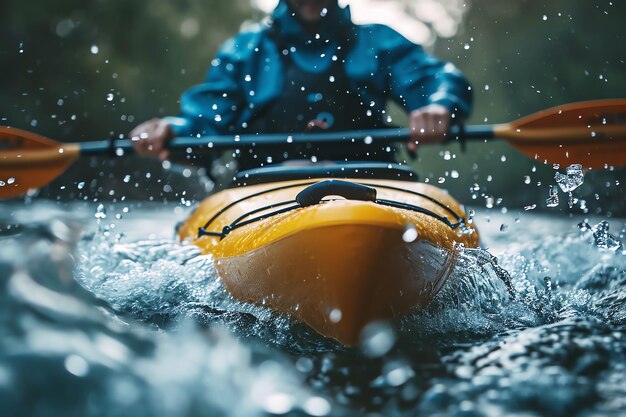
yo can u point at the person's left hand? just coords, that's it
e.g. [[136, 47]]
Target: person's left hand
[[428, 124]]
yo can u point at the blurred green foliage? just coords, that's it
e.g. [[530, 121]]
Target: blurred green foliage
[[79, 70]]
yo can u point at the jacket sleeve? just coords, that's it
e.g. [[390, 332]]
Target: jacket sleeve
[[417, 79], [212, 107]]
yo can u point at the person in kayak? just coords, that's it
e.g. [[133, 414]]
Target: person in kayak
[[312, 69]]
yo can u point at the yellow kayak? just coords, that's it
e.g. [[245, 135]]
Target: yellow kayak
[[335, 254]]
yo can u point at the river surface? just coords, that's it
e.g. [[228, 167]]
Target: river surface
[[103, 313]]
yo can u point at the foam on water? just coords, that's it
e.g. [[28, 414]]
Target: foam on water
[[144, 327], [161, 281]]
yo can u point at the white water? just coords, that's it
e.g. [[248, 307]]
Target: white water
[[162, 337]]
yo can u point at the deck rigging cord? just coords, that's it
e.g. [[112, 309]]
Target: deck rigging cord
[[457, 221]]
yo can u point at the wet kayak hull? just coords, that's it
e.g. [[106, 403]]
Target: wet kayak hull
[[337, 265]]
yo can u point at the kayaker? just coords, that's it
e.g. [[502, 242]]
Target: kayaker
[[310, 69]]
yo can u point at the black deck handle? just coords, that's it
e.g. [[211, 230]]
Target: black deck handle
[[313, 194]]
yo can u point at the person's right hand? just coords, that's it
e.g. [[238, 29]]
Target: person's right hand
[[427, 125], [150, 138]]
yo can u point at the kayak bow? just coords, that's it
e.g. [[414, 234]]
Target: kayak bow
[[334, 254]]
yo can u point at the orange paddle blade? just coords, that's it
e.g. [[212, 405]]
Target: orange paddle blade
[[590, 133], [28, 161]]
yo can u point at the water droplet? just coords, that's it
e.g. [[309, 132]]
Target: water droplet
[[603, 239], [95, 49], [368, 140], [278, 403], [335, 315], [553, 198], [110, 97], [76, 365], [317, 406], [101, 212], [410, 234], [399, 375], [531, 207], [573, 179], [304, 365], [377, 339]]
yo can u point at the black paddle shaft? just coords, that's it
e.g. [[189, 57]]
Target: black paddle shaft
[[378, 136]]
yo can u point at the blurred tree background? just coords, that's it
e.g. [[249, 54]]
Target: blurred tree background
[[79, 70]]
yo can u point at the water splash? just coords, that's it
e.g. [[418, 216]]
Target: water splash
[[573, 179], [160, 282], [603, 239]]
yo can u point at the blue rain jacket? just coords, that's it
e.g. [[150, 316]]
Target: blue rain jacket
[[381, 64]]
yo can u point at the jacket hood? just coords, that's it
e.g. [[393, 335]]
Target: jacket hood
[[336, 22]]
